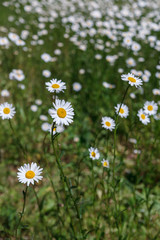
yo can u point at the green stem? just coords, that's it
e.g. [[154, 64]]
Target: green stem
[[65, 181], [114, 159], [93, 185], [22, 213], [115, 131]]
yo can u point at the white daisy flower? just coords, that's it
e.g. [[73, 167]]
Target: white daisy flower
[[123, 111], [105, 163], [108, 85], [7, 111], [131, 62], [55, 86], [5, 93], [13, 36], [143, 117], [156, 91], [46, 73], [29, 173], [62, 113], [38, 102], [133, 81], [20, 42], [94, 153], [17, 74], [108, 123], [34, 108], [46, 57], [77, 86], [45, 126], [150, 108], [56, 129], [4, 41]]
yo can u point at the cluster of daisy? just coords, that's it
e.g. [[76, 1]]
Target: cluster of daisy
[[149, 109], [121, 109], [62, 112], [16, 39], [17, 74], [95, 155]]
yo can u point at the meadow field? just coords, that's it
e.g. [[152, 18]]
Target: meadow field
[[79, 120]]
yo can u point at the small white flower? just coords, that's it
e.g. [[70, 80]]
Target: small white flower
[[17, 74], [123, 111], [133, 81], [56, 129], [131, 62], [156, 91], [29, 173], [136, 47], [38, 102], [43, 117], [105, 163], [46, 57], [108, 85], [20, 42], [46, 73], [62, 113], [4, 41], [13, 36], [55, 86], [77, 86], [7, 111], [150, 108], [108, 123], [5, 93], [143, 117], [94, 153], [34, 108]]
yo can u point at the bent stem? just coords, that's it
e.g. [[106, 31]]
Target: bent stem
[[65, 182], [22, 213]]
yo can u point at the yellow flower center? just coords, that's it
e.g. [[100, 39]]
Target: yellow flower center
[[6, 110], [143, 116], [105, 164], [30, 174], [93, 154], [54, 129], [121, 110], [131, 79], [55, 85], [150, 108], [108, 124], [61, 112]]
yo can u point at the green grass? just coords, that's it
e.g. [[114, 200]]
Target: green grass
[[125, 207]]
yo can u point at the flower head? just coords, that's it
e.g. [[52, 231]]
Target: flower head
[[94, 153], [7, 111], [123, 111], [150, 108], [143, 117], [29, 173], [62, 113], [55, 86], [105, 163], [133, 81], [108, 123]]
